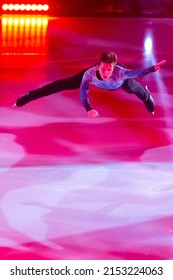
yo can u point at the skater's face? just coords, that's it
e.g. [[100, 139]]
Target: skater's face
[[106, 69]]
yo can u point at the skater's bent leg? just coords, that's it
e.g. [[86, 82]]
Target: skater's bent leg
[[133, 87]]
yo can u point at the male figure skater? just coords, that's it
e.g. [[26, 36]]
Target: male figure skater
[[107, 74]]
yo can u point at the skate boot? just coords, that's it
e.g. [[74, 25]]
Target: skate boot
[[22, 100], [149, 103]]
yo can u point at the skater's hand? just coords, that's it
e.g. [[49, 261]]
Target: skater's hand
[[157, 66], [93, 114]]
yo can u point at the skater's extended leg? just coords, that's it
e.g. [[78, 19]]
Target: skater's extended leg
[[54, 87]]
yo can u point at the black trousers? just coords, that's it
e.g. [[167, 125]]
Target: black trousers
[[130, 86]]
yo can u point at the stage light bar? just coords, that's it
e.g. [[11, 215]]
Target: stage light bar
[[25, 7], [24, 35], [7, 21]]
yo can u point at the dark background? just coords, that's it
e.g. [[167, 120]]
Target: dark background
[[117, 8]]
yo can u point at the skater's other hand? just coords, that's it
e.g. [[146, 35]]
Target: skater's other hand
[[157, 66], [93, 114]]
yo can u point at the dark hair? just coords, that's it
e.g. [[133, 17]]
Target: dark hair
[[106, 56]]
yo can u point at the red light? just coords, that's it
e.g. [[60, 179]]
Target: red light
[[11, 7], [22, 7], [45, 7], [39, 7], [28, 7], [16, 7], [4, 7], [34, 7]]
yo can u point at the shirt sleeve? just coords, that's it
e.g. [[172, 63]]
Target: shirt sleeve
[[84, 89], [139, 73]]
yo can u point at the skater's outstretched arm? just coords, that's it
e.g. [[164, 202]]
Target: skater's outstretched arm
[[157, 66]]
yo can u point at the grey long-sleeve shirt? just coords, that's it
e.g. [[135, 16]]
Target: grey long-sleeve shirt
[[114, 82]]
